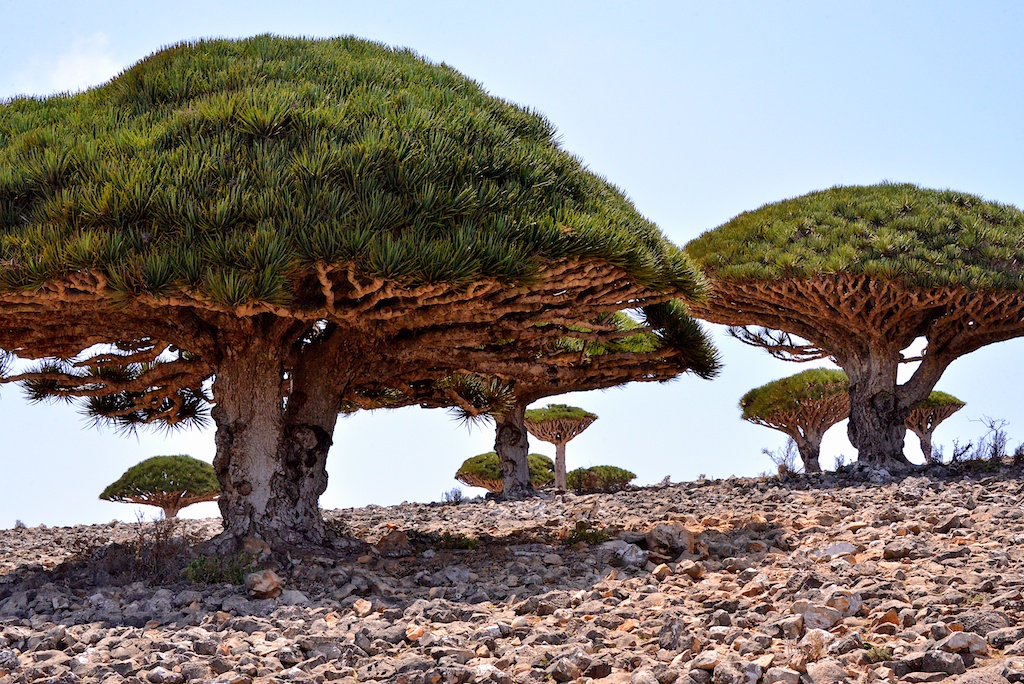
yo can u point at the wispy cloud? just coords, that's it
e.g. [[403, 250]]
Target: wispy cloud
[[88, 61]]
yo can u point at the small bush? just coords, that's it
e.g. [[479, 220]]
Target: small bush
[[878, 654], [447, 540], [219, 569], [786, 458], [584, 533], [453, 496], [157, 553], [598, 479]]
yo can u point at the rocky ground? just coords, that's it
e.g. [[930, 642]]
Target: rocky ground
[[823, 579]]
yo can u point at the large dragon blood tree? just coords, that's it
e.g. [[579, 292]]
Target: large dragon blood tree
[[297, 221], [804, 406], [860, 273]]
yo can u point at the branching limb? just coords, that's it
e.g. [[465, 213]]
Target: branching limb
[[779, 344]]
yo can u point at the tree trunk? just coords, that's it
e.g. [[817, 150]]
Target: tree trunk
[[170, 513], [271, 463], [925, 438], [809, 446], [512, 446], [876, 426], [560, 482]]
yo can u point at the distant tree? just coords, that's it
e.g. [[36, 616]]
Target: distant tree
[[858, 274], [558, 424], [599, 479], [605, 352], [485, 471], [927, 415], [167, 482], [804, 406], [276, 224]]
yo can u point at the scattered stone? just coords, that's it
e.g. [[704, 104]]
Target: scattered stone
[[264, 584], [808, 581], [394, 544]]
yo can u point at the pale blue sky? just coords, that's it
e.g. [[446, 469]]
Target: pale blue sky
[[697, 110]]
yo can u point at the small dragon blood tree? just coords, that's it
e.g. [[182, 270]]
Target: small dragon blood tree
[[804, 406], [167, 482], [858, 274], [656, 343], [485, 471], [927, 415], [273, 225], [558, 424]]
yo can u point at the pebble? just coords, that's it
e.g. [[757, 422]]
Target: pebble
[[826, 579]]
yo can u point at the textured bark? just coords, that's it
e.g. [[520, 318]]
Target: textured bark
[[560, 481], [513, 447], [876, 426], [271, 460], [925, 438], [809, 446]]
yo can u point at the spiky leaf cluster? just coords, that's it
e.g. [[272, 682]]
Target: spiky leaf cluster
[[559, 412], [599, 479], [485, 471], [941, 399], [793, 393], [228, 170], [894, 232], [163, 475]]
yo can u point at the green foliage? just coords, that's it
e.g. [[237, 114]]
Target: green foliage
[[163, 475], [558, 412], [219, 569], [937, 399], [230, 168], [583, 533], [598, 479], [878, 653], [456, 542], [487, 467], [922, 237], [790, 393]]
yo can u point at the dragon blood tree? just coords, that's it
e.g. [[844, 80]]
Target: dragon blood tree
[[485, 471], [927, 415], [858, 274], [804, 406], [299, 221], [558, 424], [167, 482], [659, 343]]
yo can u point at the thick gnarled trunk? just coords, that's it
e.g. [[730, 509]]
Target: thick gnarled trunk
[[513, 449], [271, 459], [876, 428]]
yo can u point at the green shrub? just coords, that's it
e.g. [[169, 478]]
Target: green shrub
[[218, 569], [598, 479]]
